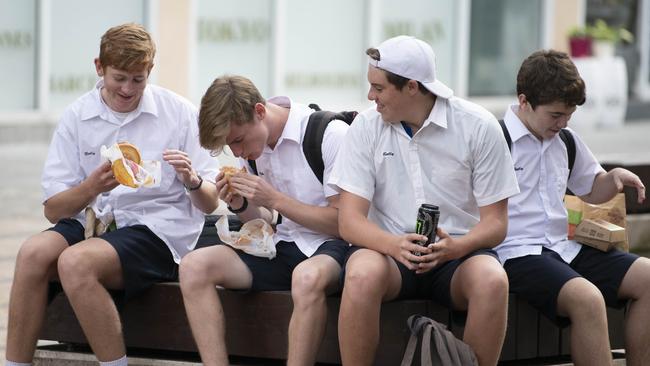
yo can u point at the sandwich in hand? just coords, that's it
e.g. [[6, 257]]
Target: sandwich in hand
[[127, 165], [229, 171]]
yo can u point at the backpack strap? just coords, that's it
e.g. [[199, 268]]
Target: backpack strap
[[570, 144], [312, 142], [565, 135], [506, 133]]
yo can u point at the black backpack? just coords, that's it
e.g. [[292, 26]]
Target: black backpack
[[313, 140], [565, 135]]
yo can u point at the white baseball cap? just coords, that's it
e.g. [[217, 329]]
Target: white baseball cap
[[411, 58]]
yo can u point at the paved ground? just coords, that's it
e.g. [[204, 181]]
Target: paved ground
[[20, 194]]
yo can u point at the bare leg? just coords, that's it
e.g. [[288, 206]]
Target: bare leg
[[370, 278], [636, 287], [312, 281], [35, 267], [582, 302], [86, 271], [200, 272], [480, 285]]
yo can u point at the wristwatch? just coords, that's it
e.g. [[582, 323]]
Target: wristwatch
[[243, 207], [189, 189]]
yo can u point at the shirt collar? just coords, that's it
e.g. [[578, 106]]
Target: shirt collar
[[292, 129], [516, 127], [438, 114], [97, 108]]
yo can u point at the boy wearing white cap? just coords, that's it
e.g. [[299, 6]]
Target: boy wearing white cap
[[422, 145]]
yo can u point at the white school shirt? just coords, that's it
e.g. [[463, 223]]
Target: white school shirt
[[162, 120], [457, 160], [537, 216], [286, 169]]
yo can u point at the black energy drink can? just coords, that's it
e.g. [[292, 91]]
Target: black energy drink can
[[427, 223]]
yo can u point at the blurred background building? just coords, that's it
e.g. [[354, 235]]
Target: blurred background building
[[307, 49]]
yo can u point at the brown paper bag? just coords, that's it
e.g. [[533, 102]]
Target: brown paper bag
[[573, 206], [611, 211]]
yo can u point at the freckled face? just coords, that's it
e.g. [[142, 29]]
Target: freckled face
[[123, 90]]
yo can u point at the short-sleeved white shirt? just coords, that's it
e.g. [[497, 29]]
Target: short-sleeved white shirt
[[457, 160], [162, 120], [537, 216], [287, 170]]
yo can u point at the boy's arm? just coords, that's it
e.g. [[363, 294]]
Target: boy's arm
[[260, 193], [70, 202], [357, 229], [607, 185], [205, 197]]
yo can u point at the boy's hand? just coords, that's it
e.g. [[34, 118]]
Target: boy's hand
[[624, 177], [102, 179], [182, 164], [406, 246], [258, 191], [442, 251], [229, 196]]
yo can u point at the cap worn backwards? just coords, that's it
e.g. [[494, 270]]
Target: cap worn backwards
[[411, 58]]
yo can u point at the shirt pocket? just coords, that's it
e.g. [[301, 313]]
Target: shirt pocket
[[560, 184], [89, 158], [456, 183]]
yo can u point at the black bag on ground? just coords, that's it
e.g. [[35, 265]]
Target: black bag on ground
[[438, 346]]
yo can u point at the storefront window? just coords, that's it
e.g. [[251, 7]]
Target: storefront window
[[17, 55], [431, 21], [503, 33], [323, 60], [234, 38], [77, 27]]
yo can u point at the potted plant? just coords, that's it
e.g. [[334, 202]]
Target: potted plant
[[605, 38], [580, 42]]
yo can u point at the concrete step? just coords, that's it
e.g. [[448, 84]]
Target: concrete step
[[47, 357], [65, 358], [62, 355]]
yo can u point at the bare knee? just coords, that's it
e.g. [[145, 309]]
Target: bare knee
[[74, 269], [493, 283], [366, 279], [194, 271], [485, 282], [580, 299], [308, 282], [37, 258]]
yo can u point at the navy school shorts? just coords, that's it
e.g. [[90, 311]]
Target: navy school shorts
[[144, 257], [434, 284], [539, 278], [275, 274]]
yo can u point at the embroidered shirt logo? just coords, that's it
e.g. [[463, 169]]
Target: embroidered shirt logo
[[388, 153], [518, 169], [86, 153]]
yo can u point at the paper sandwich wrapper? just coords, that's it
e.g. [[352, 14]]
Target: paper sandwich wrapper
[[146, 175], [255, 237]]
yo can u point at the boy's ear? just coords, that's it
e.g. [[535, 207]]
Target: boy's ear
[[98, 67], [522, 100], [260, 111], [412, 86]]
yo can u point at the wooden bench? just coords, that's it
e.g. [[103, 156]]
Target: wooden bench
[[257, 326]]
